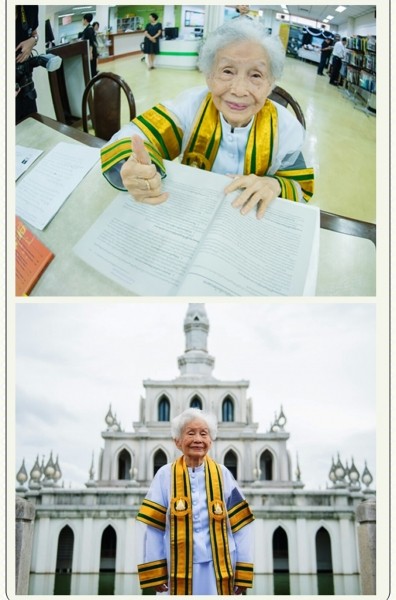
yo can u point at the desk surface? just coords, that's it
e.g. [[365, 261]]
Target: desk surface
[[347, 264]]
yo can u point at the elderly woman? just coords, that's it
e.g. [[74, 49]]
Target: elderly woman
[[198, 535], [228, 127]]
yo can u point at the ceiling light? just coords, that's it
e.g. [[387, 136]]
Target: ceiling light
[[283, 6], [340, 8], [68, 15], [81, 7], [329, 17], [325, 20]]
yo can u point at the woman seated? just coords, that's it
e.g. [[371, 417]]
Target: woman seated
[[229, 127]]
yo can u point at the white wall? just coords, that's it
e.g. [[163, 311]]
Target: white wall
[[365, 25], [188, 32]]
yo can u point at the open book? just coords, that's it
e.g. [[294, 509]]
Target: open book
[[196, 244]]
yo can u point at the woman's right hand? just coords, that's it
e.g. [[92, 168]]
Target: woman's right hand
[[161, 588], [140, 176]]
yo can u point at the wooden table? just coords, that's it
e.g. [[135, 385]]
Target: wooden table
[[347, 259]]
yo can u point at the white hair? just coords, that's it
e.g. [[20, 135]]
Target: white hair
[[190, 414], [242, 30]]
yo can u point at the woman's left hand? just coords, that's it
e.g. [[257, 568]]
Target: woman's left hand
[[258, 193], [238, 590]]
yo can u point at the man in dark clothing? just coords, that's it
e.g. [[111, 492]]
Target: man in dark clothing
[[325, 54], [90, 35], [26, 37]]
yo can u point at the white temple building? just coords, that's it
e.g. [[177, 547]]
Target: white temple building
[[87, 541]]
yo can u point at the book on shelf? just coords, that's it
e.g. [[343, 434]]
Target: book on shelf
[[31, 259], [196, 243]]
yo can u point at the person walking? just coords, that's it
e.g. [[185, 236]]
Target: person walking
[[325, 54], [153, 32], [90, 35]]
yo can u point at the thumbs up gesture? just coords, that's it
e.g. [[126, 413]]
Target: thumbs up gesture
[[140, 176]]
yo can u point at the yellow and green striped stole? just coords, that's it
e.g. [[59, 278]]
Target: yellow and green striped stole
[[203, 145], [165, 141], [181, 531], [218, 528], [156, 572]]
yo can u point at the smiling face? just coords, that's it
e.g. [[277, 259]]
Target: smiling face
[[240, 81], [194, 442]]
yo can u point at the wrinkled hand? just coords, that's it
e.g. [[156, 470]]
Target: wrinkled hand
[[161, 588], [258, 193], [26, 48], [238, 590], [140, 176]]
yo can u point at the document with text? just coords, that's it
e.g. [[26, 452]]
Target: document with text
[[24, 158], [41, 193], [196, 243]]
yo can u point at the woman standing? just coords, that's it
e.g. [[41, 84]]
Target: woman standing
[[153, 32], [198, 537]]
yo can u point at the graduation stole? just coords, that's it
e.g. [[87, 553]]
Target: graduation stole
[[165, 138], [205, 139], [201, 150], [181, 529]]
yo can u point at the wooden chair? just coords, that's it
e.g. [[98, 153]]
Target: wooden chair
[[282, 97], [103, 96]]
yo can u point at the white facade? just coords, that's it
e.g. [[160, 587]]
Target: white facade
[[298, 533]]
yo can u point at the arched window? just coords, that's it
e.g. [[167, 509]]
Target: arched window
[[196, 402], [280, 554], [164, 409], [124, 465], [266, 466], [227, 410], [108, 550], [64, 560], [159, 460], [324, 563], [231, 462]]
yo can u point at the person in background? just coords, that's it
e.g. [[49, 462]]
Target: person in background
[[229, 127], [26, 38], [339, 54], [89, 35], [243, 11], [325, 52], [153, 32], [198, 536], [96, 27]]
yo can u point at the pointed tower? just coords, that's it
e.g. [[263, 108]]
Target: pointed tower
[[196, 361]]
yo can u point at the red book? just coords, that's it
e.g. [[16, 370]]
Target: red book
[[31, 259]]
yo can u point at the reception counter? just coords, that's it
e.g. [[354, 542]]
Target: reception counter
[[178, 54], [122, 44]]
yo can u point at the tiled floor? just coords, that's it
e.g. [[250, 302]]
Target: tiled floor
[[340, 142]]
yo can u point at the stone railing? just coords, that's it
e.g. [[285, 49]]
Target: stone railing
[[24, 520], [367, 520]]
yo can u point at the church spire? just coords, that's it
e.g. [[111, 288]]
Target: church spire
[[196, 360]]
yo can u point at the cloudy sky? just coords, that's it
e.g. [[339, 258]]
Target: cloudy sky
[[316, 360]]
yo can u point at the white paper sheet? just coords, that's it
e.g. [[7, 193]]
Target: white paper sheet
[[24, 158], [45, 188]]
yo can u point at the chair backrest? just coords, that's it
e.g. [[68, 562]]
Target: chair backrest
[[103, 96], [282, 97]]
